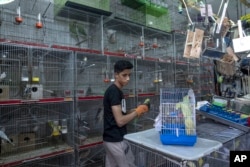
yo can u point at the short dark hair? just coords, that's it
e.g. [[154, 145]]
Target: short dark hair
[[121, 65]]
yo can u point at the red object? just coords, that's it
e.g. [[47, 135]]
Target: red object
[[81, 91], [106, 80], [141, 44], [19, 19], [248, 121], [39, 24], [155, 45]]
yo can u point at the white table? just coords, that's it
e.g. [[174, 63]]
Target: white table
[[151, 139]]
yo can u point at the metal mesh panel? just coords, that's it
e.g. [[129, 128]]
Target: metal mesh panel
[[36, 73], [121, 38], [92, 156], [88, 122], [142, 156], [95, 73], [35, 129]]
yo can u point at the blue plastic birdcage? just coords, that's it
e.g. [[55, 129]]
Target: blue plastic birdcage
[[178, 121]]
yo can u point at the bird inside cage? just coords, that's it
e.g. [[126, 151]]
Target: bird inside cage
[[4, 136], [111, 35], [188, 115]]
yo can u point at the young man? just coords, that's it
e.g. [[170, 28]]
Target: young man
[[116, 117]]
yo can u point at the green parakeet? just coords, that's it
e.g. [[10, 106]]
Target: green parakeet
[[77, 31]]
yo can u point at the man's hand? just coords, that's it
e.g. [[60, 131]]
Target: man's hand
[[143, 108]]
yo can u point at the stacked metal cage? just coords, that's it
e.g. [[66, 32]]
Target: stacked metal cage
[[35, 72], [142, 156], [34, 130], [177, 113]]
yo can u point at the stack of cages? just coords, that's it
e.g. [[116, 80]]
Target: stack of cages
[[93, 75], [33, 73], [35, 117], [33, 130], [177, 116]]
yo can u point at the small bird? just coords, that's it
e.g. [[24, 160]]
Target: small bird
[[111, 35], [5, 137], [55, 128], [147, 102], [99, 115], [2, 76], [187, 113]]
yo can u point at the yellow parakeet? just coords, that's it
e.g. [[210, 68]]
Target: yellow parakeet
[[55, 128], [186, 110]]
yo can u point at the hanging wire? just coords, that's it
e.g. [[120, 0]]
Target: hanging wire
[[187, 12], [220, 7]]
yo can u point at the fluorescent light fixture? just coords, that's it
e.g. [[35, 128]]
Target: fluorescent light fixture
[[2, 2]]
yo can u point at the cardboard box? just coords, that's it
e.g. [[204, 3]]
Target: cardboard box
[[9, 148], [26, 141], [4, 92]]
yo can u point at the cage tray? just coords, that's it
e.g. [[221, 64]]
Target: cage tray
[[35, 154], [150, 138]]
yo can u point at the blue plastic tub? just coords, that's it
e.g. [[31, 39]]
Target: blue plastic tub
[[184, 140], [174, 134]]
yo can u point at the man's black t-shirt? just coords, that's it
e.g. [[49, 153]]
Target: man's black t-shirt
[[112, 133]]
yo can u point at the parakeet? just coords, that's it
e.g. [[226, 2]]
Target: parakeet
[[200, 162], [111, 35], [191, 164], [55, 128], [78, 32], [147, 102], [2, 76], [5, 137], [99, 115], [187, 114]]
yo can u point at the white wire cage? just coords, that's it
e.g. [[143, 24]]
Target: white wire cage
[[35, 72], [29, 131], [88, 123], [177, 116]]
